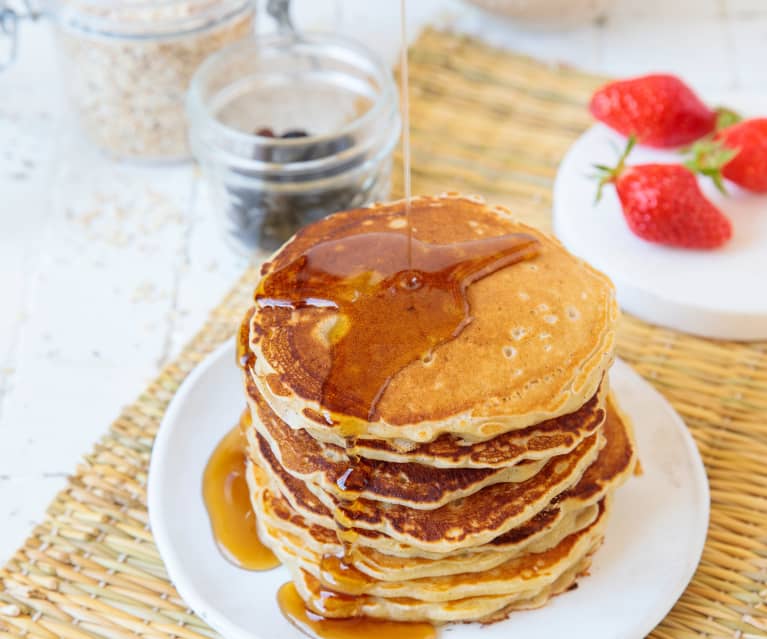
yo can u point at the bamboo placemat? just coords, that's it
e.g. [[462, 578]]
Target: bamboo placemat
[[483, 122]]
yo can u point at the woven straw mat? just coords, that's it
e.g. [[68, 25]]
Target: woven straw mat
[[485, 122]]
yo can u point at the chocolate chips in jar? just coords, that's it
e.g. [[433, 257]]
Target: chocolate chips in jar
[[266, 209], [290, 130]]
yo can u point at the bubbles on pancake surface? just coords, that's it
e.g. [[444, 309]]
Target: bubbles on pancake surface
[[518, 332], [572, 312]]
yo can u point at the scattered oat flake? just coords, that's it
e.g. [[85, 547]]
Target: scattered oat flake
[[144, 292]]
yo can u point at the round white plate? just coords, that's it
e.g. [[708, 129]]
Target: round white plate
[[719, 293], [653, 543]]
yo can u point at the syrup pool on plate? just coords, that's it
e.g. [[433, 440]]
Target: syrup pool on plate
[[225, 491], [319, 627]]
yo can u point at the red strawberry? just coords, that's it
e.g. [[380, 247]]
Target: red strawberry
[[659, 110], [663, 203], [749, 166]]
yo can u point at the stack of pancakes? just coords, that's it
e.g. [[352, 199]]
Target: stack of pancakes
[[483, 482]]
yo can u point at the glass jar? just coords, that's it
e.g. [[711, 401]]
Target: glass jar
[[289, 129], [128, 63]]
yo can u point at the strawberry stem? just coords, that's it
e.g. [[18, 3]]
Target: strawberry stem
[[708, 158], [726, 117], [607, 175]]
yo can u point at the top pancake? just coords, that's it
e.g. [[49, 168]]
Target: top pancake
[[539, 341]]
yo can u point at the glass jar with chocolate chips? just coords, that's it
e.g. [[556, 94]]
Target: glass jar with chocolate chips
[[289, 129]]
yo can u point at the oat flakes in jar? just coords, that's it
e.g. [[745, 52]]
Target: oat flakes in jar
[[127, 66]]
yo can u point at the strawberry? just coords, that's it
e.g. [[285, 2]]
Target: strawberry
[[748, 168], [662, 203], [660, 110]]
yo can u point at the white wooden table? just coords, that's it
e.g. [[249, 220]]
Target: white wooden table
[[106, 269]]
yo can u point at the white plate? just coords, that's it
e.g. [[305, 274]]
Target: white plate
[[653, 543], [719, 293]]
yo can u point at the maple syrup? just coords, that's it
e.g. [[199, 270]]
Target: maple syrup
[[405, 97], [319, 627], [355, 478], [338, 573], [397, 299], [245, 358], [225, 491]]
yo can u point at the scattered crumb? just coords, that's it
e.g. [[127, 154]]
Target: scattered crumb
[[144, 292], [127, 216]]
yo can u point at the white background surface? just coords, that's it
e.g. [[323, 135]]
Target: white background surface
[[106, 270], [655, 532]]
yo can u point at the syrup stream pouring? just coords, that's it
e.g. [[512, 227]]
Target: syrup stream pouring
[[405, 97]]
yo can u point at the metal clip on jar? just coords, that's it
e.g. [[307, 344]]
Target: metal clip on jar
[[128, 65], [289, 129]]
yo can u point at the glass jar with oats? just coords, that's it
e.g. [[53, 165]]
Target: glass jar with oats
[[127, 66]]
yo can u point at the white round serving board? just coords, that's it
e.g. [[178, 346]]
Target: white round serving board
[[720, 293], [653, 543]]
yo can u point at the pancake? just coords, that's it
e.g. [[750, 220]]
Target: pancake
[[536, 539], [521, 574], [333, 588], [330, 469], [481, 609], [539, 340], [614, 463], [276, 513], [465, 522], [553, 437]]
